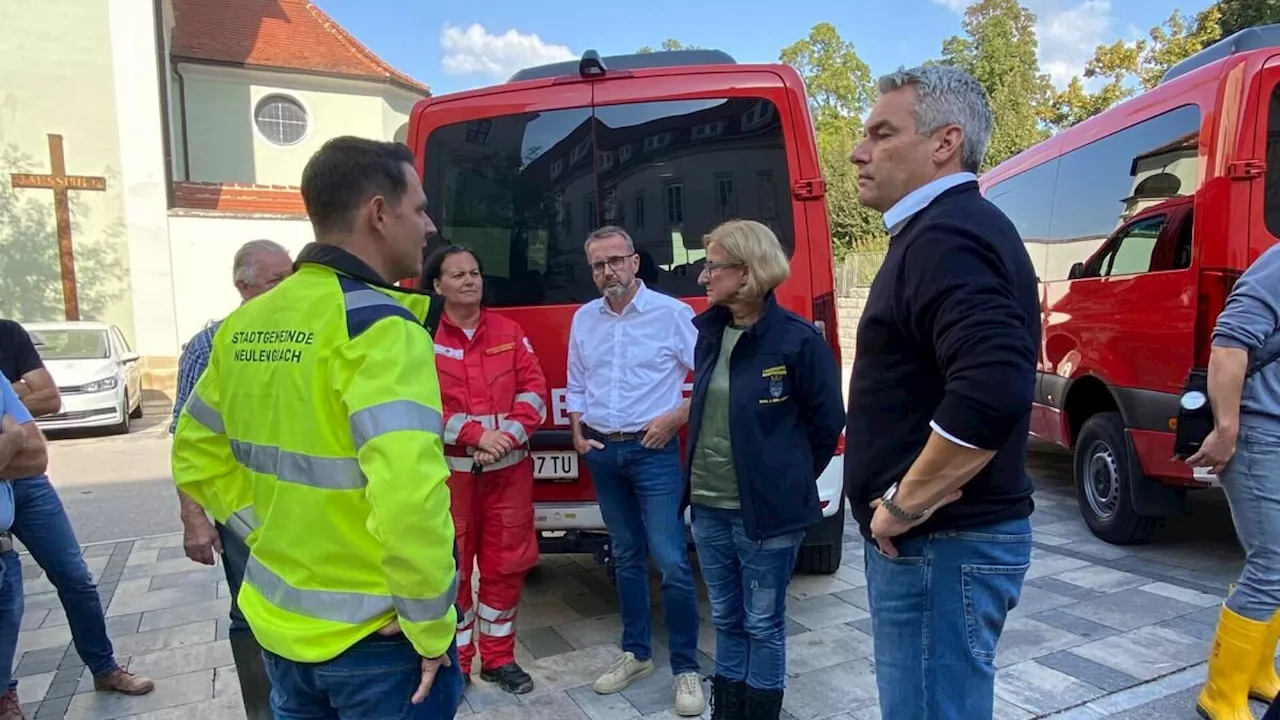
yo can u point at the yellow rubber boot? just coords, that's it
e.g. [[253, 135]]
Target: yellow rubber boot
[[1232, 663], [1266, 683]]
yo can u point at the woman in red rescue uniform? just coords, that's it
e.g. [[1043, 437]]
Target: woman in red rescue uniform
[[495, 396]]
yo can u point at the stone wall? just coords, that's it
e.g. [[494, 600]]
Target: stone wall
[[853, 281], [849, 306]]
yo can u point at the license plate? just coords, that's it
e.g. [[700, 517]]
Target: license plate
[[555, 465]]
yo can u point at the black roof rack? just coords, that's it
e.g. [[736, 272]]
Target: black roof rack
[[592, 63], [1254, 38]]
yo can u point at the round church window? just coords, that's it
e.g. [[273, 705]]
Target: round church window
[[281, 120]]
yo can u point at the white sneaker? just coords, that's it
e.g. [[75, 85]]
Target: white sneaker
[[625, 670], [690, 702]]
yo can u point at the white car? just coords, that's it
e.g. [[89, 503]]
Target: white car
[[96, 372]]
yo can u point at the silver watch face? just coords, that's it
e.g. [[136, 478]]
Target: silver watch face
[[890, 492], [1193, 400]]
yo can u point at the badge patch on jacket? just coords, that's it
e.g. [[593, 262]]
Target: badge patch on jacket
[[776, 376], [505, 347], [455, 353]]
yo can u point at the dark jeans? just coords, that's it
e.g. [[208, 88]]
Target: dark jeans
[[640, 492], [937, 612], [235, 555], [747, 584], [373, 679], [42, 525], [1273, 712], [11, 606]]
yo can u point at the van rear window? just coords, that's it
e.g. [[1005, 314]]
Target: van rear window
[[525, 190]]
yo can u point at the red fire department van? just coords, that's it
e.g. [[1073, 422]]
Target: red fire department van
[[665, 144], [1138, 222]]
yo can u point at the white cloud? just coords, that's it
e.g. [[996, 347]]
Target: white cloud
[[1069, 37], [1068, 30], [475, 51]]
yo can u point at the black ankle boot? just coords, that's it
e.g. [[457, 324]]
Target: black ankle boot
[[728, 699], [763, 704]]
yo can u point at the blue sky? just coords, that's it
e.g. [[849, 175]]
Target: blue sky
[[456, 46]]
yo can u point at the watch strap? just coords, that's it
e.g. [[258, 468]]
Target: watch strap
[[901, 514]]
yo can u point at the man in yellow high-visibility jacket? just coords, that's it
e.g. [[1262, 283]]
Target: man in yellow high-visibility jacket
[[315, 433]]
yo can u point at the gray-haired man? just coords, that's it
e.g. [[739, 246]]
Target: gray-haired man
[[258, 266], [939, 401]]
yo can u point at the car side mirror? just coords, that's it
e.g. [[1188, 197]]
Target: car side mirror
[[129, 357], [1077, 271]]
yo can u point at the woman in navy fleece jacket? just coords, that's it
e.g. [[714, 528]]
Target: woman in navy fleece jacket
[[765, 416]]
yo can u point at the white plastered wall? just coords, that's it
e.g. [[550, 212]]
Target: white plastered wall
[[141, 130], [203, 248]]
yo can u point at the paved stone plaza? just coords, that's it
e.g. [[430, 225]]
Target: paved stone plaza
[[1101, 631]]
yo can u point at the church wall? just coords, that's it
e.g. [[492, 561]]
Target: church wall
[[203, 248], [75, 97], [225, 145], [140, 119], [395, 115]]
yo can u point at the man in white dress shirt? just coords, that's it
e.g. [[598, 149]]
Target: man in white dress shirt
[[629, 354]]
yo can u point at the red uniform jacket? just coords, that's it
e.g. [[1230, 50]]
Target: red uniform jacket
[[492, 381]]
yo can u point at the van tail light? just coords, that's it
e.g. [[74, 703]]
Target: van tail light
[[1215, 286], [824, 317]]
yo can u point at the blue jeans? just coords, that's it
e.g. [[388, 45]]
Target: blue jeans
[[11, 606], [747, 583], [1251, 482], [235, 555], [640, 492], [372, 680], [42, 525], [937, 612]]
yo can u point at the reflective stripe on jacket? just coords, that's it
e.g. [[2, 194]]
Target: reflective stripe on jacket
[[315, 433]]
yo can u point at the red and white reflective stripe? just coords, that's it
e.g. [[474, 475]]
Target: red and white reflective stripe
[[496, 623], [464, 627], [465, 463], [454, 427], [515, 429], [534, 400]]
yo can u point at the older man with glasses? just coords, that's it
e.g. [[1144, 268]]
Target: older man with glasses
[[629, 354]]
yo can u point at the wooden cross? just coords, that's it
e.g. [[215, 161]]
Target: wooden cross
[[60, 182]]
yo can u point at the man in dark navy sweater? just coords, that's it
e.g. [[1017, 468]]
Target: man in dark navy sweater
[[939, 401]]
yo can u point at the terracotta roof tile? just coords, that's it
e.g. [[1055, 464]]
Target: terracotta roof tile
[[284, 34], [238, 198]]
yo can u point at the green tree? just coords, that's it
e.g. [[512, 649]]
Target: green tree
[[1131, 67], [1177, 39], [1115, 63], [1236, 15], [841, 93], [668, 45], [999, 49]]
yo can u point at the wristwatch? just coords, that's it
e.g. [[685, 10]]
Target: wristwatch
[[886, 500]]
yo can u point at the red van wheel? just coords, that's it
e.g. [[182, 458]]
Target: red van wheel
[[1104, 478]]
